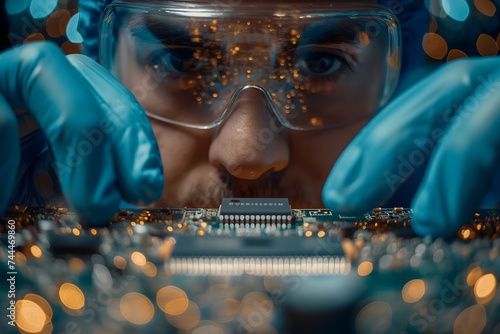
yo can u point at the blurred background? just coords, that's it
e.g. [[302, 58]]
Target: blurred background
[[36, 20], [458, 28]]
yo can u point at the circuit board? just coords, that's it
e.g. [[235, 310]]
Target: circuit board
[[249, 266]]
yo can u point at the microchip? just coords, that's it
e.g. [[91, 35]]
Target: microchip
[[257, 210]]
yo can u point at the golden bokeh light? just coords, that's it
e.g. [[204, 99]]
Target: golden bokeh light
[[485, 7], [473, 275], [138, 258], [188, 319], [208, 327], [226, 310], [472, 320], [316, 121], [434, 45], [374, 315], [172, 300], [485, 288], [365, 268], [136, 308], [30, 317], [149, 269], [272, 284], [166, 248], [466, 233], [257, 302], [76, 265], [44, 305], [413, 291], [36, 251], [120, 262], [48, 328], [455, 54], [486, 45], [20, 259], [71, 296]]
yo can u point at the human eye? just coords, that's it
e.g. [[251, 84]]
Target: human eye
[[321, 62], [171, 62]]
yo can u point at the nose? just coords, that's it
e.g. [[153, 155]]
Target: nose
[[251, 142]]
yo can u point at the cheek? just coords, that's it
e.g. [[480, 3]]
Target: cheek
[[317, 152], [182, 154]]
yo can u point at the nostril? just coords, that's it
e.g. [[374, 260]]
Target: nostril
[[248, 144]]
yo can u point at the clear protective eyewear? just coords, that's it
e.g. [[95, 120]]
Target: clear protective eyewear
[[317, 65]]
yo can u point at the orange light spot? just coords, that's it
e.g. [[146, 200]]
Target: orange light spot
[[485, 7], [71, 296], [433, 25], [30, 317], [71, 48], [486, 45], [188, 319], [471, 320], [138, 258], [34, 37], [485, 288], [434, 45], [136, 308], [455, 54], [36, 251], [119, 262], [172, 300], [413, 291], [365, 268], [57, 22], [474, 275]]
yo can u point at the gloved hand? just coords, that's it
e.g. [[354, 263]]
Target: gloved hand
[[100, 143], [450, 118]]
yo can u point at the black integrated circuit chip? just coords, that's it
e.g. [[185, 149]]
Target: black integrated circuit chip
[[255, 210]]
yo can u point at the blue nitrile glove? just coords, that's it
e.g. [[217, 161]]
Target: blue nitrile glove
[[100, 143], [457, 107]]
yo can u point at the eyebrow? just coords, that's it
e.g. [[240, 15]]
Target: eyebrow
[[154, 29], [328, 31]]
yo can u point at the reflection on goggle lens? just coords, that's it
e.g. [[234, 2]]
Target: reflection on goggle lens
[[316, 71]]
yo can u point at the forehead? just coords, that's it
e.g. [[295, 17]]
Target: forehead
[[302, 1], [238, 2]]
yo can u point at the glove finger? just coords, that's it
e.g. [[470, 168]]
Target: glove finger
[[10, 152], [38, 77], [462, 168], [137, 157], [401, 137]]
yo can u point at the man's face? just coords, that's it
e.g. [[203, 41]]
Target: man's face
[[250, 154]]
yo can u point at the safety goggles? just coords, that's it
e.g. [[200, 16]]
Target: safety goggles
[[316, 65]]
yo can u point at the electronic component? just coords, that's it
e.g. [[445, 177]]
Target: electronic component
[[248, 246], [255, 210], [196, 270]]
